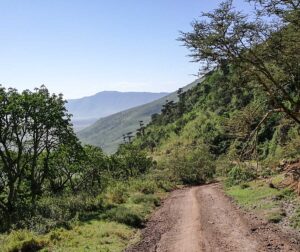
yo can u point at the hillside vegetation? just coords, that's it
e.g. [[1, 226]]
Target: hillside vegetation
[[88, 110], [240, 124], [107, 132]]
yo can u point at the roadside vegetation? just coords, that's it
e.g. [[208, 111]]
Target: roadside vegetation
[[58, 195], [241, 123]]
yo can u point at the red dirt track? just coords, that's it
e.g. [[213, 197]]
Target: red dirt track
[[203, 219]]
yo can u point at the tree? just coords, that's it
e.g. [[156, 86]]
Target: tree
[[130, 161], [92, 170], [141, 130], [264, 47], [32, 126], [66, 167], [181, 102]]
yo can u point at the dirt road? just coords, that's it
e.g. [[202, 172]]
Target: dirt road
[[204, 219]]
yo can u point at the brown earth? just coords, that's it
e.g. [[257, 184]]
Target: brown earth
[[204, 219]]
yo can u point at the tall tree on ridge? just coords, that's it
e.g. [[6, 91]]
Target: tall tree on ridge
[[265, 47]]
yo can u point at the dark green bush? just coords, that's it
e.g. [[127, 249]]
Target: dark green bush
[[239, 174], [23, 241], [148, 199], [192, 165], [124, 215], [54, 212], [244, 185], [117, 193], [145, 186]]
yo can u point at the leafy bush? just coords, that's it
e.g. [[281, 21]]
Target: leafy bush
[[124, 215], [53, 212], [147, 199], [130, 161], [192, 165], [67, 207], [145, 186], [239, 174], [23, 241], [244, 185], [117, 193]]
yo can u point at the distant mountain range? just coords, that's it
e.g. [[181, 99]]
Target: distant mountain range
[[88, 110], [107, 132]]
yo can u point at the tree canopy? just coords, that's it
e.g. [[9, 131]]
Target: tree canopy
[[263, 47]]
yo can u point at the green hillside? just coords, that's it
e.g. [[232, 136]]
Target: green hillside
[[87, 110], [107, 132]]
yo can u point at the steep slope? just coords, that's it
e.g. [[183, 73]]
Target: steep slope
[[89, 109], [107, 132]]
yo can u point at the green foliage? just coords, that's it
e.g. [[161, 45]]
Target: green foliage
[[124, 215], [146, 199], [266, 201], [22, 241], [88, 223], [48, 179], [117, 193], [33, 126], [258, 195], [292, 149], [295, 219], [107, 132], [145, 186], [132, 161], [240, 173], [270, 57], [191, 165]]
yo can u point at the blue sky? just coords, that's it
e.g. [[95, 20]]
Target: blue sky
[[80, 47]]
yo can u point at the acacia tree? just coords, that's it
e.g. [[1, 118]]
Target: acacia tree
[[32, 126], [264, 47]]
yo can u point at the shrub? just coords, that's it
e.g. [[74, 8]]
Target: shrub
[[239, 174], [66, 207], [117, 193], [192, 165], [124, 215], [53, 212], [275, 216], [163, 178], [244, 185], [23, 241], [147, 199], [166, 185], [145, 186], [295, 219]]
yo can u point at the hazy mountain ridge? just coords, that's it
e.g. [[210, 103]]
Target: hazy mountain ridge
[[107, 132], [88, 109]]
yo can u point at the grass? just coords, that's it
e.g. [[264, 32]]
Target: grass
[[91, 236], [22, 240], [126, 207], [295, 219], [260, 197]]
